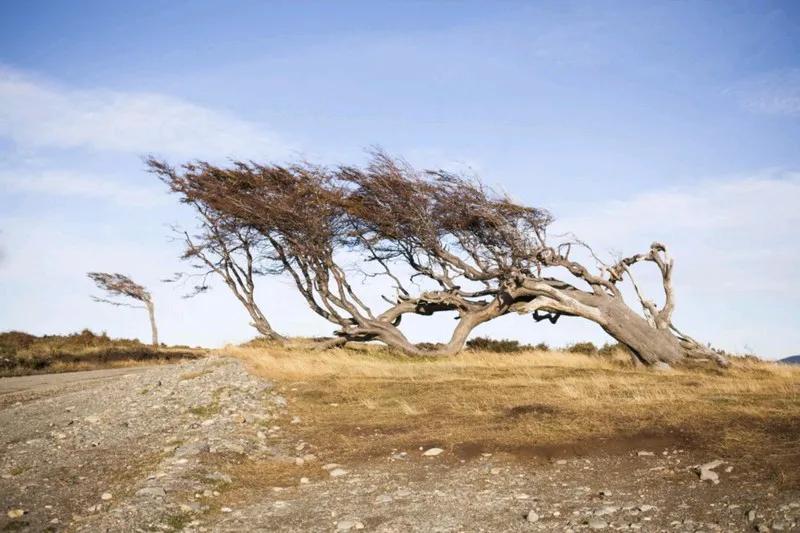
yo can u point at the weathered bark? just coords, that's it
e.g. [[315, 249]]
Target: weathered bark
[[153, 329], [648, 343], [264, 328]]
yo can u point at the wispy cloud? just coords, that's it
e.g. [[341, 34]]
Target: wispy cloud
[[774, 93], [35, 114], [73, 184]]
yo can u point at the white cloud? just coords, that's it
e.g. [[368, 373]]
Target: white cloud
[[69, 183], [774, 93], [37, 114]]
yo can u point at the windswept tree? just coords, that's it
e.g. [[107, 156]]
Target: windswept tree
[[118, 285], [445, 243], [224, 247]]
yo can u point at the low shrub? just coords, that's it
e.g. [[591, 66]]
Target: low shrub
[[587, 348], [494, 345], [23, 353]]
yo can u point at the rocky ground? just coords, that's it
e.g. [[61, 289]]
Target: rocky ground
[[204, 446]]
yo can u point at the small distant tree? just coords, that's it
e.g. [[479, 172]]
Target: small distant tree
[[119, 285]]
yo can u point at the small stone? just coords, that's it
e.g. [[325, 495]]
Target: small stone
[[347, 525], [645, 454], [384, 498], [219, 476], [561, 462], [304, 480], [607, 510], [711, 465], [646, 508], [92, 419], [331, 466], [728, 469], [299, 461], [261, 435], [596, 523], [106, 496], [751, 515], [778, 526], [295, 420], [532, 516], [432, 452], [226, 510], [709, 475], [605, 493], [495, 471], [337, 472], [153, 492], [16, 513]]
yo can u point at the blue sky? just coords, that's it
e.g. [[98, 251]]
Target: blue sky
[[631, 121]]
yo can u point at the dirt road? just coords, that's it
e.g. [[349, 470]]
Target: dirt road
[[40, 381], [204, 446]]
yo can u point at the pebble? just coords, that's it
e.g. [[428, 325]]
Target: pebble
[[16, 513], [596, 523], [347, 525], [709, 475], [106, 496], [532, 516], [432, 452], [337, 472], [645, 454], [153, 492], [607, 510]]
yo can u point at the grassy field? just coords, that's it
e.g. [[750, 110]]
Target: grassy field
[[22, 353], [360, 404]]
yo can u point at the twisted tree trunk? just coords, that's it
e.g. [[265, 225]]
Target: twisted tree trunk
[[153, 329], [265, 329], [650, 345]]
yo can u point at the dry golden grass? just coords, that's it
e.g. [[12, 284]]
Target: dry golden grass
[[367, 402]]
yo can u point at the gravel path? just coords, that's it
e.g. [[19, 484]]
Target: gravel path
[[43, 381]]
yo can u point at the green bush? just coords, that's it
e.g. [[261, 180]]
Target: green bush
[[493, 345], [587, 348]]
